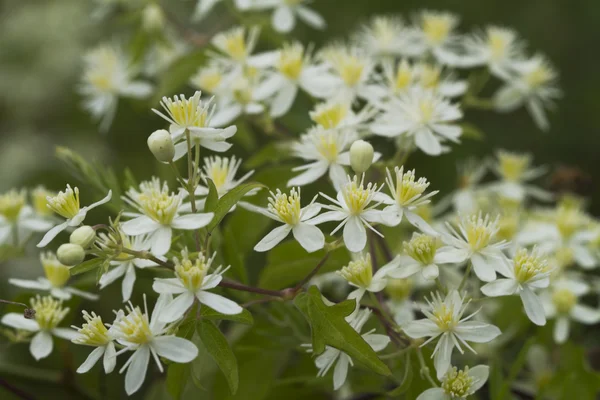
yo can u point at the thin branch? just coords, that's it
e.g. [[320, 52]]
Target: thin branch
[[312, 273], [15, 390], [245, 288]]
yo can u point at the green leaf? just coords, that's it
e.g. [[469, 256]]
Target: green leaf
[[233, 254], [269, 154], [516, 367], [217, 346], [86, 266], [230, 199], [177, 377], [244, 317], [178, 73], [407, 377], [329, 328], [212, 198], [471, 131]]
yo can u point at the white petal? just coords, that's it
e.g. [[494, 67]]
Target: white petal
[[500, 287], [18, 321], [310, 211], [481, 374], [161, 241], [533, 306], [430, 272], [421, 328], [27, 284], [313, 173], [169, 285], [355, 235], [283, 101], [310, 17], [156, 325], [139, 226], [406, 270], [482, 268], [419, 223], [387, 217], [91, 360], [443, 357], [326, 217], [219, 303], [175, 348], [136, 372], [340, 371], [110, 358], [309, 236], [427, 142], [128, 282], [98, 203], [478, 332], [273, 238], [584, 314], [52, 233], [433, 394], [449, 255], [65, 333], [561, 329], [376, 341], [177, 308], [337, 175], [112, 275], [192, 221], [269, 86], [41, 345]]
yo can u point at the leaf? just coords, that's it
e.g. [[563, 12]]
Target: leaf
[[471, 131], [178, 73], [244, 317], [329, 328], [516, 367], [86, 266], [217, 346], [212, 198], [233, 255], [230, 199], [269, 154], [177, 377], [406, 379]]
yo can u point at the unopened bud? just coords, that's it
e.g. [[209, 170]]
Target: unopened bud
[[70, 254], [153, 18], [361, 156], [84, 236], [161, 145]]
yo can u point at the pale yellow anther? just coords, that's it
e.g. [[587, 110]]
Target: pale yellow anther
[[359, 272], [407, 188], [134, 327], [157, 203], [286, 207], [208, 79], [11, 204], [564, 300], [457, 383], [437, 27], [65, 203], [512, 166], [421, 248], [48, 312], [191, 272], [57, 273], [291, 61], [330, 115], [356, 196], [39, 200], [479, 230], [528, 265], [93, 332]]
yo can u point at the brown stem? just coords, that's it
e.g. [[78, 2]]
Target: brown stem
[[15, 390], [245, 288], [13, 303], [312, 273]]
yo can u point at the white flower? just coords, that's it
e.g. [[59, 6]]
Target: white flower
[[352, 68], [562, 303], [527, 272], [474, 241], [424, 116], [445, 320], [337, 114], [464, 198], [400, 305], [18, 220], [66, 204], [533, 84], [436, 35], [407, 196], [498, 48], [383, 36], [327, 150], [288, 210], [515, 171], [211, 79], [241, 99], [236, 45], [359, 273], [146, 336], [124, 265], [158, 213], [191, 283], [49, 313], [94, 333], [109, 74], [194, 116], [352, 207], [286, 12], [458, 384], [423, 255], [57, 276], [341, 360], [293, 71], [203, 7]]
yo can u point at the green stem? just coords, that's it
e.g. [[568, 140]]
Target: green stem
[[466, 277], [442, 288], [425, 373]]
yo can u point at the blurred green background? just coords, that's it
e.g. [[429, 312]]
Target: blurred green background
[[42, 42]]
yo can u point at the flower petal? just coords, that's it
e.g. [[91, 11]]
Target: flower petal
[[41, 345], [585, 314], [533, 306], [18, 321], [128, 282], [139, 226], [427, 142], [177, 308], [340, 372], [421, 328], [110, 358], [309, 236], [91, 360], [219, 303], [65, 333], [283, 19], [483, 268], [161, 241], [273, 238], [316, 170], [168, 285], [136, 372], [476, 331], [192, 221], [443, 357], [175, 348], [500, 287], [376, 341], [52, 233], [355, 235], [433, 394], [481, 374], [561, 329]]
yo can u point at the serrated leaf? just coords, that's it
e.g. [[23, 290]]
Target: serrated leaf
[[230, 199], [244, 317], [330, 328], [217, 346], [212, 198], [86, 266]]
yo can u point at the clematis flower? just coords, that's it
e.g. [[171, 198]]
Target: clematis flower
[[332, 356], [445, 320], [458, 384], [359, 273], [158, 213], [288, 210], [424, 116], [515, 172], [55, 282], [383, 36], [527, 272], [18, 220], [352, 207], [437, 36], [49, 313], [498, 48], [351, 68], [147, 336], [94, 333], [66, 204], [287, 11], [192, 283]]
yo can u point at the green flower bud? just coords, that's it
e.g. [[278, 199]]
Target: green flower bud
[[361, 156], [84, 236], [161, 145], [70, 254]]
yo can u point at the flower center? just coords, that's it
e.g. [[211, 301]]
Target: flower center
[[430, 76], [187, 112], [564, 300], [242, 91], [399, 289], [529, 265], [192, 273], [456, 383], [539, 76], [65, 203], [103, 69], [421, 248], [404, 76], [359, 272], [291, 61], [286, 207], [437, 27], [233, 43], [479, 230], [499, 42], [407, 189], [208, 79], [508, 226], [57, 273], [48, 312], [93, 332], [356, 196], [157, 203], [329, 115], [11, 204], [134, 327], [512, 166], [218, 170], [569, 220], [443, 316], [564, 257], [426, 110]]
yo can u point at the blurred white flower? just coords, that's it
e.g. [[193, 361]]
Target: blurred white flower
[[18, 219], [93, 333], [458, 384], [498, 48], [286, 12]]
